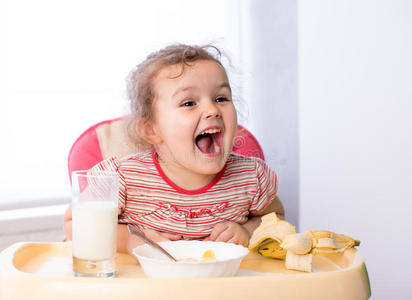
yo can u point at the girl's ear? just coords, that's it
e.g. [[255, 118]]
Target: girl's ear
[[148, 133]]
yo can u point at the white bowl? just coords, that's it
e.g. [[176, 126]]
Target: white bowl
[[156, 264]]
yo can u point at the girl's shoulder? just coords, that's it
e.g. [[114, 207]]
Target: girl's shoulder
[[115, 163], [143, 159], [252, 167], [145, 156], [239, 160]]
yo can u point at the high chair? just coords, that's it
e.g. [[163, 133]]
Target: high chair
[[110, 137], [45, 269]]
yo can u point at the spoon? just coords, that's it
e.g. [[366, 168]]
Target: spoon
[[140, 234]]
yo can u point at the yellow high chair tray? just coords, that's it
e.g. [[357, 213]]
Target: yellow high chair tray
[[44, 271]]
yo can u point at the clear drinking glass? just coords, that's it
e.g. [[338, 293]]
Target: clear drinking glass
[[94, 223]]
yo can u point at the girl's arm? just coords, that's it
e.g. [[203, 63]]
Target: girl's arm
[[126, 241], [255, 220]]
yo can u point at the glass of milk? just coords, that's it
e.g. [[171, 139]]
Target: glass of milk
[[94, 223]]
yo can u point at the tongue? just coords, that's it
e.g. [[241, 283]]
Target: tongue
[[204, 143]]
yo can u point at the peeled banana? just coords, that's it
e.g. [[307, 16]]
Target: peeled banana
[[298, 243], [298, 262], [276, 238], [209, 255]]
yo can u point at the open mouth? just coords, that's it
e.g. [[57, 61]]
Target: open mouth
[[209, 141]]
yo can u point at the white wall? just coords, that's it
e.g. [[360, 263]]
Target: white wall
[[63, 66], [355, 85], [269, 64]]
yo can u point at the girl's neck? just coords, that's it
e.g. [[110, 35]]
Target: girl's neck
[[184, 178]]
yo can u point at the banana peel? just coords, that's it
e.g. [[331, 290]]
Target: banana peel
[[272, 249], [270, 229], [276, 238], [326, 242]]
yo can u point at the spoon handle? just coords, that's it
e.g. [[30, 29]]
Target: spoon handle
[[140, 234]]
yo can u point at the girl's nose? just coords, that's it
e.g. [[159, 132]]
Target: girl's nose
[[211, 111]]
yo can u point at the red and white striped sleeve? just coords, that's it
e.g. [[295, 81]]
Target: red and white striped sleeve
[[266, 187]]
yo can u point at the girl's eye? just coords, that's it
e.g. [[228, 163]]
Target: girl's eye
[[188, 103], [221, 99]]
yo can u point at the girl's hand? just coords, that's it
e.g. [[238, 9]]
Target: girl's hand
[[229, 232]]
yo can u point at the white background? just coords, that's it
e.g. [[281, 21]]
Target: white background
[[64, 66], [355, 108]]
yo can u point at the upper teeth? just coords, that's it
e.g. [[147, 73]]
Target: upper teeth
[[210, 131]]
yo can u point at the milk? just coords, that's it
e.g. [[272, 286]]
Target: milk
[[94, 226]]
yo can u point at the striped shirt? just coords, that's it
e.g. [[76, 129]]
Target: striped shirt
[[147, 198]]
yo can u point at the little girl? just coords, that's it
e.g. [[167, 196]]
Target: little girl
[[188, 184]]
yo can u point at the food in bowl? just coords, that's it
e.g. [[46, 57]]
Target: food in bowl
[[210, 259], [207, 255]]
